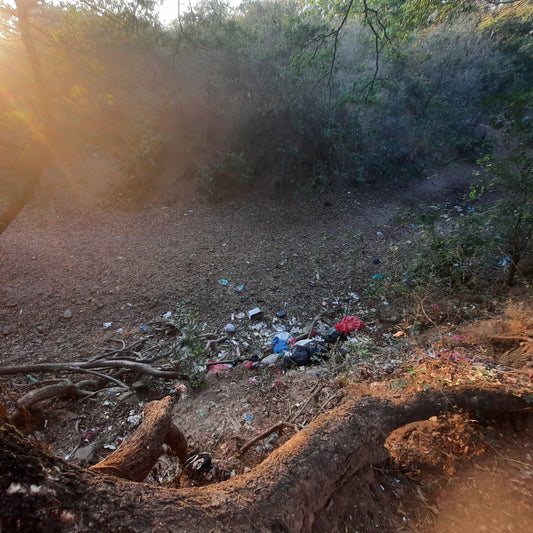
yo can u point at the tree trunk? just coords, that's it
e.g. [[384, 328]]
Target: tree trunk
[[44, 104], [294, 489], [17, 204]]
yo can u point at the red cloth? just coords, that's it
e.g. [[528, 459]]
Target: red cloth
[[349, 324]]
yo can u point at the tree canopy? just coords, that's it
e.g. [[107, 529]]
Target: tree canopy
[[304, 93]]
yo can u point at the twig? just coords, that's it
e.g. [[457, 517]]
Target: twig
[[105, 376], [329, 399], [121, 341], [119, 350], [224, 362], [135, 366], [214, 342], [266, 433], [314, 393]]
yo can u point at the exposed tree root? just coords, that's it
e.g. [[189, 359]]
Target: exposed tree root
[[22, 418], [290, 491], [280, 426], [136, 456], [135, 366]]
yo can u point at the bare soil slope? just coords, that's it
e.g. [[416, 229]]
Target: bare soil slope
[[81, 272]]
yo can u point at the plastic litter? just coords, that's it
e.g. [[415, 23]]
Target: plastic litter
[[279, 345], [218, 368], [168, 314], [223, 282], [134, 420], [201, 462], [229, 328], [270, 360], [281, 314], [304, 342], [248, 417], [302, 355], [284, 336], [377, 276], [254, 313], [107, 325], [332, 336], [349, 324]]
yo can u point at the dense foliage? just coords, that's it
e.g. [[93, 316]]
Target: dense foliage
[[279, 94], [285, 91]]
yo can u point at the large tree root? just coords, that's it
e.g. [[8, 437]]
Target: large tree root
[[22, 417], [289, 491], [137, 455]]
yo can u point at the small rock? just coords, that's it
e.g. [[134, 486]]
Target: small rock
[[41, 328], [139, 385], [67, 314], [6, 330]]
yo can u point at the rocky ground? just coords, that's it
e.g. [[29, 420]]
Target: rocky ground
[[83, 275]]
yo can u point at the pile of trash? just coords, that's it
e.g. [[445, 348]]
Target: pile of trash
[[284, 343]]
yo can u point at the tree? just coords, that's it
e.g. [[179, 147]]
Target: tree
[[60, 89], [510, 177], [46, 137]]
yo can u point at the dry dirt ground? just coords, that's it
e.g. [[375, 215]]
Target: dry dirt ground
[[82, 274]]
